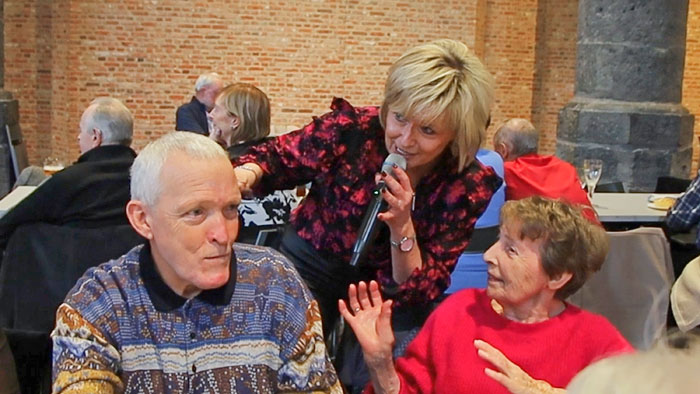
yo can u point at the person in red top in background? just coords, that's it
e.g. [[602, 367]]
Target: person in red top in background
[[530, 174]]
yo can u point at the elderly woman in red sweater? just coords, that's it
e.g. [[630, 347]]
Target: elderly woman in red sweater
[[518, 335]]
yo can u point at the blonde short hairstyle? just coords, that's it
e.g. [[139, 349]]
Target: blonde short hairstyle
[[571, 243], [252, 108], [443, 78]]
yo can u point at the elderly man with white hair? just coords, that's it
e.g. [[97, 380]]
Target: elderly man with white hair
[[92, 192], [192, 116], [190, 311]]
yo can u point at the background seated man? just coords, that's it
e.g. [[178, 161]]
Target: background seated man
[[189, 311], [685, 215], [518, 335], [94, 191], [529, 174], [192, 116]]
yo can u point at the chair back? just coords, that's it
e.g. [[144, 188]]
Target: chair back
[[671, 184], [263, 219], [43, 261], [632, 288], [469, 273], [613, 187]]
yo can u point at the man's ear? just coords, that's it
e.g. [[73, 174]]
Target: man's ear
[[97, 137], [502, 149], [558, 282], [139, 218]]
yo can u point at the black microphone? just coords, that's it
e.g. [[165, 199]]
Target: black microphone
[[370, 223]]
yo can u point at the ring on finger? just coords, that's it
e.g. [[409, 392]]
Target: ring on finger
[[357, 309]]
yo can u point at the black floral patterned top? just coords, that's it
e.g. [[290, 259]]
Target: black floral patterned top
[[340, 152]]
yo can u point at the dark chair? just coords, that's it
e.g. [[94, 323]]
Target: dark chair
[[671, 184], [613, 187], [32, 353], [42, 263]]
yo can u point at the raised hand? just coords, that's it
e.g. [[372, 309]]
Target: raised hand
[[370, 319]]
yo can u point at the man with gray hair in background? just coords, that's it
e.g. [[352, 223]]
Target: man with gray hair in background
[[190, 311], [92, 192], [192, 116], [528, 173]]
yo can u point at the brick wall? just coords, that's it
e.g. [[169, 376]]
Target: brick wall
[[60, 55], [510, 55], [555, 71], [149, 54]]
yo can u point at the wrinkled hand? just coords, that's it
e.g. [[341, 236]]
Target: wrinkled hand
[[399, 196], [370, 319], [510, 375]]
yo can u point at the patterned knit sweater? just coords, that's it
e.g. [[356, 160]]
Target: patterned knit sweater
[[121, 329]]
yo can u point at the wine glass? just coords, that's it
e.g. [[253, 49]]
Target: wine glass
[[592, 170], [581, 178]]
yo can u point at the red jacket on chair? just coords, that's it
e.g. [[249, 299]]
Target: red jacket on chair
[[546, 176]]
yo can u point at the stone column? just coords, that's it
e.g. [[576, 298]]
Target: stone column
[[9, 117], [626, 108]]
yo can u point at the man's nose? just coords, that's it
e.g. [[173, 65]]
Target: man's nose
[[219, 230]]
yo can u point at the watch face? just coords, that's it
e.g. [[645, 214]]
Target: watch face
[[406, 245]]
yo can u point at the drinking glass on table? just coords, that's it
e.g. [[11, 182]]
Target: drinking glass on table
[[581, 178], [592, 170], [52, 165]]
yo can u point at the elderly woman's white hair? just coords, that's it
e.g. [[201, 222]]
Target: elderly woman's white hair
[[145, 172], [663, 369]]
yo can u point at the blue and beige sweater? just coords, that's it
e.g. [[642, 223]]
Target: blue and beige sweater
[[121, 329]]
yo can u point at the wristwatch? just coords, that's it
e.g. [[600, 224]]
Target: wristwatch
[[405, 244]]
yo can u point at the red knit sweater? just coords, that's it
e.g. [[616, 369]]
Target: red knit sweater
[[443, 359]]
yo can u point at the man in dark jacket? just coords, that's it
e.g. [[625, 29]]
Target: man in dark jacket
[[92, 192], [193, 115]]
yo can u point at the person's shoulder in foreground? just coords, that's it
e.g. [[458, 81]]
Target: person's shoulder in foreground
[[189, 311], [671, 366]]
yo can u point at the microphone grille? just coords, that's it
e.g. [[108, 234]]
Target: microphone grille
[[392, 159]]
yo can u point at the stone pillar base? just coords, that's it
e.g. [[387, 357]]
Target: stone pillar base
[[638, 142]]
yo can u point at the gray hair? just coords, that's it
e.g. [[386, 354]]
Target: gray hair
[[662, 369], [113, 119], [145, 172], [206, 80], [520, 134]]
